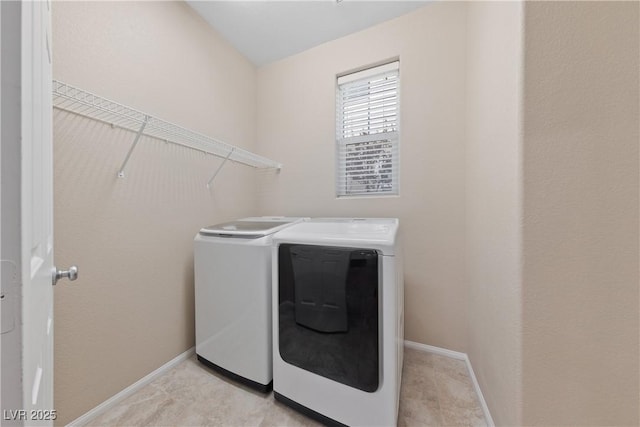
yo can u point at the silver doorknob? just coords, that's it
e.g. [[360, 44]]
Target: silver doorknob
[[71, 274]]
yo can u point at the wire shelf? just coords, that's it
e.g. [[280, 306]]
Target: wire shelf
[[69, 98]]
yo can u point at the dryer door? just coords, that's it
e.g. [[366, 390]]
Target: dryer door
[[328, 312]]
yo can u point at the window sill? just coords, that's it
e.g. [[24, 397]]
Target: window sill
[[372, 196]]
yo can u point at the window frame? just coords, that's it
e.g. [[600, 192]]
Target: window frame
[[383, 142]]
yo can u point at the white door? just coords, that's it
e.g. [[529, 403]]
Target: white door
[[27, 214], [37, 212]]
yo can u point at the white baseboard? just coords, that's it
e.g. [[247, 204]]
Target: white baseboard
[[459, 356], [476, 386], [115, 399], [435, 350]]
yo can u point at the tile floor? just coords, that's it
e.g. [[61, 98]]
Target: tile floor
[[436, 391]]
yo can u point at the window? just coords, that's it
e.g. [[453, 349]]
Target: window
[[367, 116]]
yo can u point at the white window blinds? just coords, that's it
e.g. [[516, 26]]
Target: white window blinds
[[367, 117]]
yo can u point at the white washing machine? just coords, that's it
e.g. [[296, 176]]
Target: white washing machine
[[338, 319], [232, 266]]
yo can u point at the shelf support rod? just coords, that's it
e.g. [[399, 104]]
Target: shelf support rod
[[220, 167], [133, 146]]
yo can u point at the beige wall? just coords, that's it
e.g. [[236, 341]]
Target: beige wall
[[519, 190], [493, 203], [296, 125], [580, 235], [552, 211], [131, 310]]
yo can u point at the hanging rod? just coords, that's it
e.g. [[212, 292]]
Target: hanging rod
[[87, 104]]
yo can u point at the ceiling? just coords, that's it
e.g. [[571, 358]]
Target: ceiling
[[266, 31]]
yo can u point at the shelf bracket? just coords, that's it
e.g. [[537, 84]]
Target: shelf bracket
[[220, 167], [133, 146]]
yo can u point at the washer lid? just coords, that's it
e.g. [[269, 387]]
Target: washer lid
[[249, 227]]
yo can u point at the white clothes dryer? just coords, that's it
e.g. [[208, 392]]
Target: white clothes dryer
[[338, 319], [232, 267]]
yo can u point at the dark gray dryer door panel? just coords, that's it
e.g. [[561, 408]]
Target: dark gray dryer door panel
[[328, 312]]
